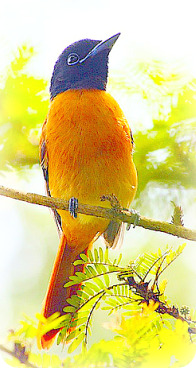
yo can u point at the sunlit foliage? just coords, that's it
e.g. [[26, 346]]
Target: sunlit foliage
[[166, 152], [23, 106], [146, 334]]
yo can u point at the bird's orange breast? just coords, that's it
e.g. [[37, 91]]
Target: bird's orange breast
[[89, 151]]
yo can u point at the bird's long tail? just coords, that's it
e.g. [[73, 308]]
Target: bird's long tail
[[57, 294]]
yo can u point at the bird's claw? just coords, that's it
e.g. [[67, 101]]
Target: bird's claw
[[113, 201], [73, 207], [135, 216]]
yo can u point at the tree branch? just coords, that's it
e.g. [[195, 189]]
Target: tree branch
[[117, 214], [14, 355]]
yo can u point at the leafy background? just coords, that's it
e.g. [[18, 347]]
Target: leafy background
[[152, 75]]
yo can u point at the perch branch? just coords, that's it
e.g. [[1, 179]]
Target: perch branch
[[108, 213], [14, 355]]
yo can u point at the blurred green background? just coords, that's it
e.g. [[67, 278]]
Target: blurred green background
[[152, 76]]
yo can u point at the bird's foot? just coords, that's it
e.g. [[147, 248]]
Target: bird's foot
[[73, 207], [135, 216], [113, 201]]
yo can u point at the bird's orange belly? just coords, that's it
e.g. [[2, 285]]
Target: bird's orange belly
[[90, 155]]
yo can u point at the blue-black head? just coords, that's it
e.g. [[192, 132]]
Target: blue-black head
[[83, 64]]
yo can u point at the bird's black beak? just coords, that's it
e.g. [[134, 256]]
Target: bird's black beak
[[103, 45]]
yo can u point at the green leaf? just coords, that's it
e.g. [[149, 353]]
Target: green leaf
[[82, 294], [109, 291], [75, 333], [91, 270], [119, 259], [74, 301], [76, 343], [59, 338], [88, 290], [90, 255], [78, 321], [168, 324], [128, 291], [73, 278], [83, 313], [96, 255], [107, 280], [99, 268], [100, 254], [111, 302], [84, 257], [69, 309], [106, 255], [78, 262], [158, 325], [81, 276], [99, 282], [87, 272], [92, 286], [69, 283]]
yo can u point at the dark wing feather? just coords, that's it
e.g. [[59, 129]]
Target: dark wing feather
[[113, 235], [44, 166]]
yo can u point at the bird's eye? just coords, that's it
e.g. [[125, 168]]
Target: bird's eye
[[72, 59]]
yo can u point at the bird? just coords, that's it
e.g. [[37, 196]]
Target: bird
[[86, 151]]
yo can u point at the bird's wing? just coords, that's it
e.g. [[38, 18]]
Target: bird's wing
[[44, 165]]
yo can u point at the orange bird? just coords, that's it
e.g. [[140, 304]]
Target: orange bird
[[85, 152]]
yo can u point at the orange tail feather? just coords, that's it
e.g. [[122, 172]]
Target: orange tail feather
[[57, 294]]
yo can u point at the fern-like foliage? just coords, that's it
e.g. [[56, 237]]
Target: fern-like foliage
[[107, 283], [148, 322]]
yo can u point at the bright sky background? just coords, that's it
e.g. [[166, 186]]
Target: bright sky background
[[154, 27], [159, 28]]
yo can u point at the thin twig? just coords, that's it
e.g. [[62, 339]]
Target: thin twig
[[154, 263], [90, 315], [108, 213], [12, 353]]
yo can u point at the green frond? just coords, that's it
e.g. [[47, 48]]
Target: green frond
[[92, 286], [96, 255], [90, 255], [75, 333], [91, 269], [69, 309], [171, 256], [82, 294], [119, 259], [98, 291], [74, 300], [100, 268], [100, 254], [88, 290], [78, 262], [144, 262], [78, 321], [106, 255], [80, 275], [84, 257], [106, 280], [100, 283], [155, 262], [76, 342]]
